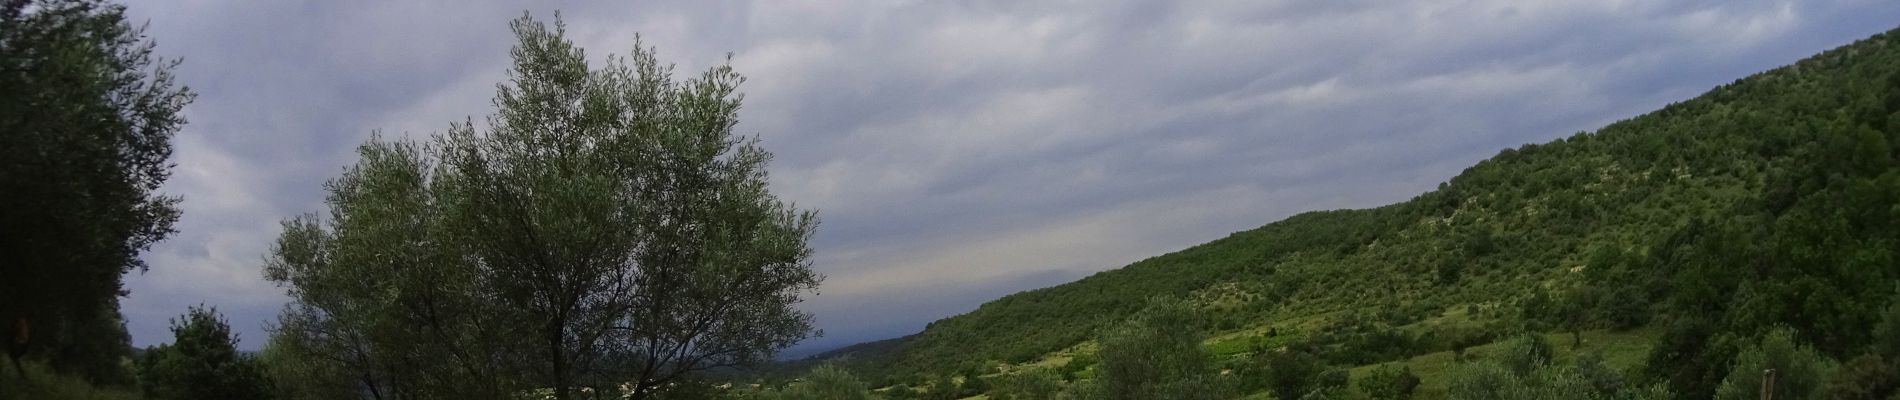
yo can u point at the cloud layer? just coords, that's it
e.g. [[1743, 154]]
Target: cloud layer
[[961, 150]]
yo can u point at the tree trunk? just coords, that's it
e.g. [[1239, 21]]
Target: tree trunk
[[560, 363], [16, 348], [17, 369]]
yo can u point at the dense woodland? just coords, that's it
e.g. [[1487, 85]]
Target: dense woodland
[[607, 236]]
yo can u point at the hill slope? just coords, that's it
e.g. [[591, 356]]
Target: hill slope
[[1770, 201]]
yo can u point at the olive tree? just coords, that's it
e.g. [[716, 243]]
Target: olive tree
[[604, 226], [87, 113]]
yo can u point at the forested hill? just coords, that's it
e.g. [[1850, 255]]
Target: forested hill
[[1773, 201]]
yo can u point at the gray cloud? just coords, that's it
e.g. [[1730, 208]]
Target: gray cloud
[[959, 151]]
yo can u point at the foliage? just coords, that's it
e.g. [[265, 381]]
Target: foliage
[[35, 381], [1157, 354], [1691, 357], [1765, 202], [1799, 371], [824, 383], [607, 227], [900, 392], [1866, 377], [1526, 353], [375, 300], [202, 362], [1586, 379], [1389, 383], [1028, 385], [1289, 374], [85, 137], [1886, 338], [295, 376]]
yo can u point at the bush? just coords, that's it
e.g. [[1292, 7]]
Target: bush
[[1692, 356], [1799, 370], [1494, 381], [826, 383], [1526, 353], [37, 382], [1484, 381], [900, 392], [944, 388], [1198, 387], [1156, 354], [1866, 377], [1289, 374], [1028, 385], [972, 386], [1389, 382]]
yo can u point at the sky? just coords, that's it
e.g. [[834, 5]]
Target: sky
[[956, 151]]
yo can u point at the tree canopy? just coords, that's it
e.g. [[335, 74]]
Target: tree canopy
[[85, 137], [202, 362], [605, 227]]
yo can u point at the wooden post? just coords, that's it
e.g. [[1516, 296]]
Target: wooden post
[[1768, 384]]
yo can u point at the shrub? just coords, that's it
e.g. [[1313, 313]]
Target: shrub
[[1525, 354], [1866, 377], [1389, 382], [1152, 350], [1799, 370], [1028, 385], [827, 383]]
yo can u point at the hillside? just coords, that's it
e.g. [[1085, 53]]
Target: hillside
[[1773, 201]]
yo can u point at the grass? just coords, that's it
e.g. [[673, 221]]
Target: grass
[[40, 383], [1621, 350]]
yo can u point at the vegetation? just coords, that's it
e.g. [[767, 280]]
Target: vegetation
[[607, 229], [1157, 354], [202, 362], [1763, 206], [606, 235], [85, 132], [1525, 369], [1389, 383], [824, 383], [35, 381]]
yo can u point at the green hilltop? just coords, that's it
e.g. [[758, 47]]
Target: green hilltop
[[1770, 202]]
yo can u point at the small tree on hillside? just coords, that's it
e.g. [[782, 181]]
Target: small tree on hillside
[[1157, 354], [1290, 373], [1389, 383]]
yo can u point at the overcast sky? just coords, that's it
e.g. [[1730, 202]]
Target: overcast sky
[[958, 151]]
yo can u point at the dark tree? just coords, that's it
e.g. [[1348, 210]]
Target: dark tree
[[201, 363], [86, 122], [1291, 373]]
